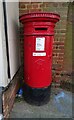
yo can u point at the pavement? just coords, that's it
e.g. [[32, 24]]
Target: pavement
[[59, 106]]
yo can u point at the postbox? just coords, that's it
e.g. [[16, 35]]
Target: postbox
[[38, 44]]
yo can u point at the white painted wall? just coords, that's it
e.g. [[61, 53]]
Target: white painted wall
[[12, 9], [3, 57]]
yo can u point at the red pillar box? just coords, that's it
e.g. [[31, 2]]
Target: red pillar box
[[38, 41]]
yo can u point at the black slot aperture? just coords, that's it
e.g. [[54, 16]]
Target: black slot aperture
[[42, 28]]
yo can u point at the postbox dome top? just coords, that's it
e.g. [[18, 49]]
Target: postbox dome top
[[40, 16]]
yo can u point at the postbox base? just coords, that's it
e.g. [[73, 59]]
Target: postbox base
[[36, 96]]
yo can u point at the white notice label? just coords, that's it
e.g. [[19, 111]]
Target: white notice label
[[39, 54], [40, 44]]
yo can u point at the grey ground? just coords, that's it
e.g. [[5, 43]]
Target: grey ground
[[59, 106]]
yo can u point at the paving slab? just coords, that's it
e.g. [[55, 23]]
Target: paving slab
[[59, 106]]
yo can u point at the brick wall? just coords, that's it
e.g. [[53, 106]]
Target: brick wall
[[60, 32], [10, 93]]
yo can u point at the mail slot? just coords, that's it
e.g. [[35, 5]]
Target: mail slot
[[38, 43]]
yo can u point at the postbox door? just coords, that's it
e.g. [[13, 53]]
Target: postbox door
[[38, 60]]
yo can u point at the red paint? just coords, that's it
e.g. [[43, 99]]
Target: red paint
[[38, 69]]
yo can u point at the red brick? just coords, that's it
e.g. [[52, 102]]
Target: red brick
[[35, 6], [22, 5], [42, 5], [61, 54], [35, 10], [57, 80], [9, 95], [58, 43], [58, 51], [58, 58], [60, 62], [29, 6], [55, 54], [23, 12], [61, 47]]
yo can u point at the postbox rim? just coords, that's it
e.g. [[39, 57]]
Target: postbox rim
[[39, 14]]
